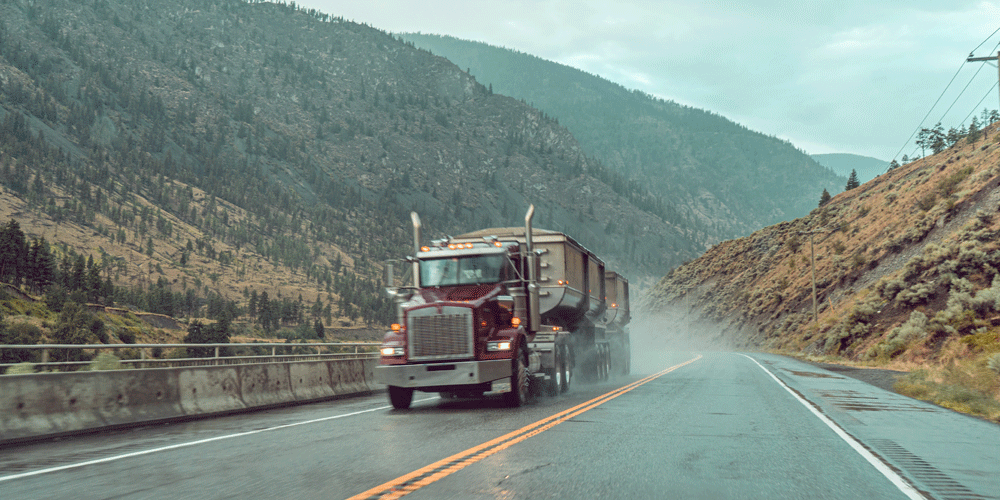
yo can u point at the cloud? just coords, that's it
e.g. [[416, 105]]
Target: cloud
[[828, 75]]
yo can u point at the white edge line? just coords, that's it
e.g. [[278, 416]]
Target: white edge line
[[897, 480], [185, 445]]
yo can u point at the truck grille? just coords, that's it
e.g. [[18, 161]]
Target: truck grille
[[447, 335]]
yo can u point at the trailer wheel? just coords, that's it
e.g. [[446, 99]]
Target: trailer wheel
[[519, 383], [400, 397]]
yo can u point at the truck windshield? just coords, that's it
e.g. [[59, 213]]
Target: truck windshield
[[472, 270]]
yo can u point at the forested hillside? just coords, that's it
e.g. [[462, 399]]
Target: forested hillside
[[720, 178], [218, 150]]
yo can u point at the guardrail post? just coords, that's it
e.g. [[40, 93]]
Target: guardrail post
[[216, 355], [45, 355]]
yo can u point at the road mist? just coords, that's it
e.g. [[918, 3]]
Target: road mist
[[662, 339]]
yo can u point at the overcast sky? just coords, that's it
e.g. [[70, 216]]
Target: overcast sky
[[837, 76]]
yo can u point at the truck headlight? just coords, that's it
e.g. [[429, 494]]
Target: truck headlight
[[392, 351], [498, 345]]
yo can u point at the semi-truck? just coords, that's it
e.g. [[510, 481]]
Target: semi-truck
[[503, 310]]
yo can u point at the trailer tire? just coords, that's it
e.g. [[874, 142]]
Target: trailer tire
[[519, 382], [400, 397]]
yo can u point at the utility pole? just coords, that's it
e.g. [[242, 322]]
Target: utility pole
[[984, 59], [812, 264]]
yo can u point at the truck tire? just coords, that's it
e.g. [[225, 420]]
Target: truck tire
[[558, 372], [400, 397], [567, 369], [607, 362], [519, 383]]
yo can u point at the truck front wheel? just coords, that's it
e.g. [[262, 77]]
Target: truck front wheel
[[518, 394], [400, 397], [567, 368]]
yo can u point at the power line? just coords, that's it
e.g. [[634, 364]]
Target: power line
[[960, 94], [919, 125], [929, 110], [981, 101], [984, 41]]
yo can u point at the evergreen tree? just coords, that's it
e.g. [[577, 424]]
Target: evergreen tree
[[852, 181], [13, 253], [973, 134], [937, 139], [824, 198]]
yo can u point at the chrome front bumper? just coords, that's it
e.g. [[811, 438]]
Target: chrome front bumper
[[443, 374]]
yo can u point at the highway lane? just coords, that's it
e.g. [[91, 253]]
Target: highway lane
[[719, 427]]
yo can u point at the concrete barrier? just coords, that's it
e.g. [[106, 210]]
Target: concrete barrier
[[57, 403], [209, 389], [311, 380], [50, 404], [265, 385]]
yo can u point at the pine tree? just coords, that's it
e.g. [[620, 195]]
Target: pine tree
[[852, 181], [824, 198]]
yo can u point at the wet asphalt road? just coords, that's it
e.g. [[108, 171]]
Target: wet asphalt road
[[718, 427]]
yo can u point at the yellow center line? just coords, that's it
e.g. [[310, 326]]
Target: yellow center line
[[424, 476]]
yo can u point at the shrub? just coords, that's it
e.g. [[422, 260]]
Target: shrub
[[793, 243], [105, 361], [916, 294], [21, 369], [994, 363], [927, 202], [858, 260], [983, 217], [23, 334], [126, 336]]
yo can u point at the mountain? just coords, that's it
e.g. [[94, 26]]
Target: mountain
[[724, 179], [194, 152], [842, 163], [906, 277]]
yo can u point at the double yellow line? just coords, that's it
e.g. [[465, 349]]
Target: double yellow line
[[422, 477]]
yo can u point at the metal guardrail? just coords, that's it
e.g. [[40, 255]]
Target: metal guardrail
[[361, 350]]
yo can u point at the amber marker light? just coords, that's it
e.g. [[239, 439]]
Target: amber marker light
[[395, 327], [515, 321]]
